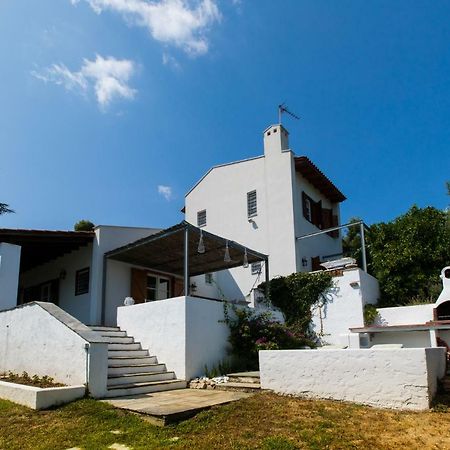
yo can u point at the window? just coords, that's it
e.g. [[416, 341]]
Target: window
[[158, 288], [256, 268], [82, 281], [252, 207], [208, 278], [201, 218], [322, 218]]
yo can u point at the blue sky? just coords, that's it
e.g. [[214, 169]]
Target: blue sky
[[102, 101]]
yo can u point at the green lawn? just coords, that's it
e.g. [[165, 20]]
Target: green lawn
[[265, 421]]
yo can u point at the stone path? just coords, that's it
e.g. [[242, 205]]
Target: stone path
[[162, 408]]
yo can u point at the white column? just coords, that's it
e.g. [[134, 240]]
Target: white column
[[433, 337], [9, 274]]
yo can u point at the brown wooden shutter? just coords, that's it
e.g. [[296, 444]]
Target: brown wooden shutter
[[138, 287], [178, 287], [317, 214], [334, 223], [315, 263]]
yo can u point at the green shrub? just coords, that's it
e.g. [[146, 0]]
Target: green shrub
[[370, 314], [251, 332]]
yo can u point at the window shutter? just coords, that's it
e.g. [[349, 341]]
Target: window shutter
[[252, 206], [201, 218], [138, 285], [305, 209], [334, 223], [315, 263], [317, 214]]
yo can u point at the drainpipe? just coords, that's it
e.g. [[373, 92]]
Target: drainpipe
[[267, 290], [363, 247]]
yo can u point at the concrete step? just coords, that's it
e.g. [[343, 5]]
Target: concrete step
[[120, 339], [127, 353], [113, 333], [115, 361], [245, 379], [145, 377], [135, 368], [101, 328], [238, 387], [124, 346], [145, 388]]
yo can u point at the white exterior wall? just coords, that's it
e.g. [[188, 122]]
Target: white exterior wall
[[345, 307], [40, 342], [76, 305], [405, 315], [223, 193], [322, 245], [185, 333], [108, 238], [9, 274], [388, 378]]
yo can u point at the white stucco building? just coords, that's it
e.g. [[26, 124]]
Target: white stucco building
[[266, 203]]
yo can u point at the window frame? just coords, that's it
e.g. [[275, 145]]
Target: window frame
[[78, 274]]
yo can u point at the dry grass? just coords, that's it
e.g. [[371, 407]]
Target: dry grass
[[265, 421]]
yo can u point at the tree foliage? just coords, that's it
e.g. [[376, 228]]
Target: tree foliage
[[5, 209], [84, 225], [406, 254]]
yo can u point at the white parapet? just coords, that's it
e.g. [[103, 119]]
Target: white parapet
[[388, 378], [185, 333], [41, 339]]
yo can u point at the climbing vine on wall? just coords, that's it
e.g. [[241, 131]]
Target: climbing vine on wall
[[296, 294]]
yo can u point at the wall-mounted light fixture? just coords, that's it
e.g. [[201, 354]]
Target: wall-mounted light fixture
[[304, 262], [227, 257], [201, 245], [245, 263]]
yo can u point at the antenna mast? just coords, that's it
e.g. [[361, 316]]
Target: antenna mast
[[283, 109]]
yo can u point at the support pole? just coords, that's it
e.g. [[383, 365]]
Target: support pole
[[267, 291], [363, 247], [186, 262]]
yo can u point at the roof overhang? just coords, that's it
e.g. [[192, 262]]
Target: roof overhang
[[318, 179], [165, 251], [42, 246]]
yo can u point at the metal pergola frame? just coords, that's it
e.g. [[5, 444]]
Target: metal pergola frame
[[362, 227]]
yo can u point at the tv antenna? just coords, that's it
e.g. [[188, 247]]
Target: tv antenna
[[283, 109]]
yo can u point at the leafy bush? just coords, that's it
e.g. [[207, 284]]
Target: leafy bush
[[251, 332], [370, 314], [296, 294], [84, 225]]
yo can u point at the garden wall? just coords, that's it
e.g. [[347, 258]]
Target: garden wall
[[185, 333], [389, 378], [42, 339]]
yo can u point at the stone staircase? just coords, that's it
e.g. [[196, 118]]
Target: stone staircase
[[131, 369]]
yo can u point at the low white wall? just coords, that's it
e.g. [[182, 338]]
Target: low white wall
[[409, 339], [9, 274], [41, 339], [344, 307], [38, 398], [183, 332], [390, 378], [405, 315]]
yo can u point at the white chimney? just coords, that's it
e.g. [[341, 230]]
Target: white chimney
[[276, 139]]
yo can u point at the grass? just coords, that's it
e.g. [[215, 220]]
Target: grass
[[265, 421]]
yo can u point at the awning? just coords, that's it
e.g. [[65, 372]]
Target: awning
[[41, 246], [165, 251]]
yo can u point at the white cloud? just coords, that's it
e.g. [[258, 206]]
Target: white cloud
[[175, 22], [107, 77], [165, 191], [170, 61]]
